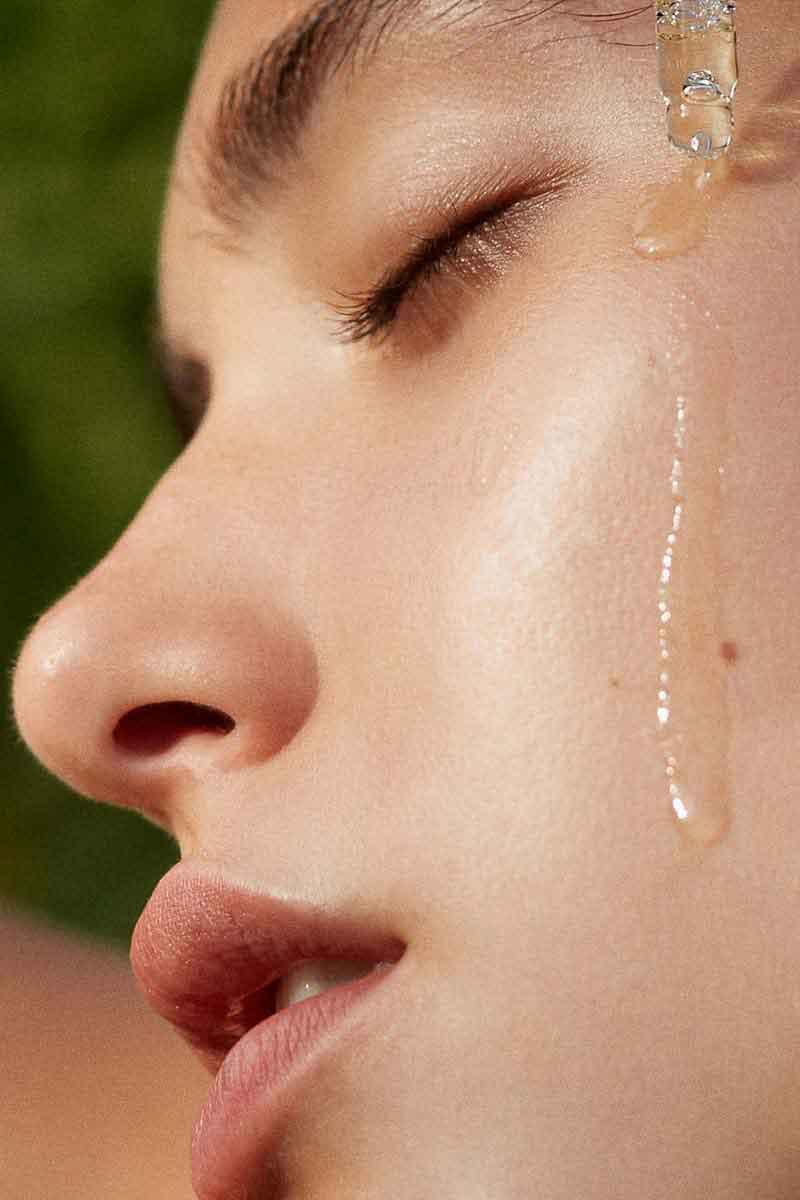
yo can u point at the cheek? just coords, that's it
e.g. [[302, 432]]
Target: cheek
[[548, 591], [516, 564], [511, 589]]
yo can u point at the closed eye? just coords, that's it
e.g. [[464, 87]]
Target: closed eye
[[473, 247]]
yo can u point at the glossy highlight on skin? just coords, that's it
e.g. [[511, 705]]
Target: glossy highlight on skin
[[493, 442], [692, 711]]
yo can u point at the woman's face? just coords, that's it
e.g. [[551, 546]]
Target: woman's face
[[414, 573]]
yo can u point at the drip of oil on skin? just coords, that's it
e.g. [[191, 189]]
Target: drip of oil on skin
[[690, 694], [672, 218], [698, 75]]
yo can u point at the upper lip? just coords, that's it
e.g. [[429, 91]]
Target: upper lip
[[207, 953]]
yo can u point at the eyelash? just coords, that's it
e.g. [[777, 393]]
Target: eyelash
[[370, 315]]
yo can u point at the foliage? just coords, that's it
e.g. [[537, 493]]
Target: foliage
[[89, 111]]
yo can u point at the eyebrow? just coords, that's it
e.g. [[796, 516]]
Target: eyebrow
[[266, 105]]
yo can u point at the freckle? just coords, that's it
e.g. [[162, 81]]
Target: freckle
[[729, 652], [614, 681]]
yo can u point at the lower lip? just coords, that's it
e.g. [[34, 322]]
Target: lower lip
[[256, 1083]]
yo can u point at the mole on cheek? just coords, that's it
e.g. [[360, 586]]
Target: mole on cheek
[[729, 652]]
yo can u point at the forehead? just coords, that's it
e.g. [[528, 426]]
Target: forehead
[[238, 28]]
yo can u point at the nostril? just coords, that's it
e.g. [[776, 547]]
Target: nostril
[[155, 728]]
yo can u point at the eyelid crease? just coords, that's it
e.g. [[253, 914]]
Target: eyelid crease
[[369, 315]]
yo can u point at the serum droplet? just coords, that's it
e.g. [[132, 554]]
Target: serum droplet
[[702, 87], [698, 73], [673, 218]]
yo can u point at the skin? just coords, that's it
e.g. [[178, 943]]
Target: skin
[[77, 1118], [421, 580]]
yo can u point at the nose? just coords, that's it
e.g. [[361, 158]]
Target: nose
[[171, 661]]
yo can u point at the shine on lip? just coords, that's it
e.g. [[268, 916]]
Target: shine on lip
[[207, 956]]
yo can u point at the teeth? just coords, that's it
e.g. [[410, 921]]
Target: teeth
[[312, 978]]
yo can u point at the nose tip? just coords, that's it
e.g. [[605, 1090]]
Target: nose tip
[[43, 707], [121, 692]]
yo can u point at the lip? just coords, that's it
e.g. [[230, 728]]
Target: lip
[[207, 955]]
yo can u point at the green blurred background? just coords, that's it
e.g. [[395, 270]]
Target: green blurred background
[[91, 98]]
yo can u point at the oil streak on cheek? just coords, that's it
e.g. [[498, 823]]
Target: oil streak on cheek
[[691, 699]]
